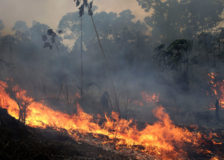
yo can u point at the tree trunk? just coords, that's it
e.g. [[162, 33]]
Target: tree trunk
[[217, 110]]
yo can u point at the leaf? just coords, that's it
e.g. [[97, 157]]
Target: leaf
[[77, 3], [160, 47], [180, 44], [91, 5], [85, 2], [54, 34], [50, 32], [60, 31], [81, 10], [44, 37]]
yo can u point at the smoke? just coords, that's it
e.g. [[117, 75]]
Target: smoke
[[53, 75], [1, 25], [43, 10]]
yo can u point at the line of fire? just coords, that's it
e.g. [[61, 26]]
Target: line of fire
[[115, 80]]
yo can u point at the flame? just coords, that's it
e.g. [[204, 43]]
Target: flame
[[162, 139], [21, 94], [138, 103], [217, 88], [149, 98], [214, 158]]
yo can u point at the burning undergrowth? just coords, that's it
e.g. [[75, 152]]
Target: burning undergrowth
[[217, 87], [163, 139]]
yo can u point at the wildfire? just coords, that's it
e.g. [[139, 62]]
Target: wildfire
[[162, 139], [147, 98], [217, 88]]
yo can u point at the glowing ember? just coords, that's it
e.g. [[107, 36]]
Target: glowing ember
[[162, 139], [215, 158], [149, 98]]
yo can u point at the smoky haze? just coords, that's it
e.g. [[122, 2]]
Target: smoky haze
[[51, 11], [48, 67]]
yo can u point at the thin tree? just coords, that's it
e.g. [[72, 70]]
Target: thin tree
[[21, 99]]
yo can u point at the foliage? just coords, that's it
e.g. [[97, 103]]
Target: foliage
[[82, 6], [176, 19], [175, 54]]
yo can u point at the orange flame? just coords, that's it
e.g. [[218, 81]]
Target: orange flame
[[149, 98], [218, 89], [162, 138]]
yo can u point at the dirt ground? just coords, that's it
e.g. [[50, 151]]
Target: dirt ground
[[19, 142]]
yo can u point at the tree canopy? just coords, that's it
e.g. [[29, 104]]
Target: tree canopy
[[177, 19]]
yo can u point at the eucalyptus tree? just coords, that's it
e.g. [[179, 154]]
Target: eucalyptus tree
[[123, 39], [177, 19]]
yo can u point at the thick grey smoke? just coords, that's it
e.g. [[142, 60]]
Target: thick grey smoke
[[50, 70]]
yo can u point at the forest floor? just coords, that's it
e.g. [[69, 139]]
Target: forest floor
[[20, 142]]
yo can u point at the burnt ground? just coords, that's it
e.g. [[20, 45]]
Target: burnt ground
[[19, 142]]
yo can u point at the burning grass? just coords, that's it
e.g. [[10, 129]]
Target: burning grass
[[217, 87], [162, 139]]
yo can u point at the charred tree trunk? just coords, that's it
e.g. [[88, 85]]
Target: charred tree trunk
[[21, 99], [23, 111], [22, 114]]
